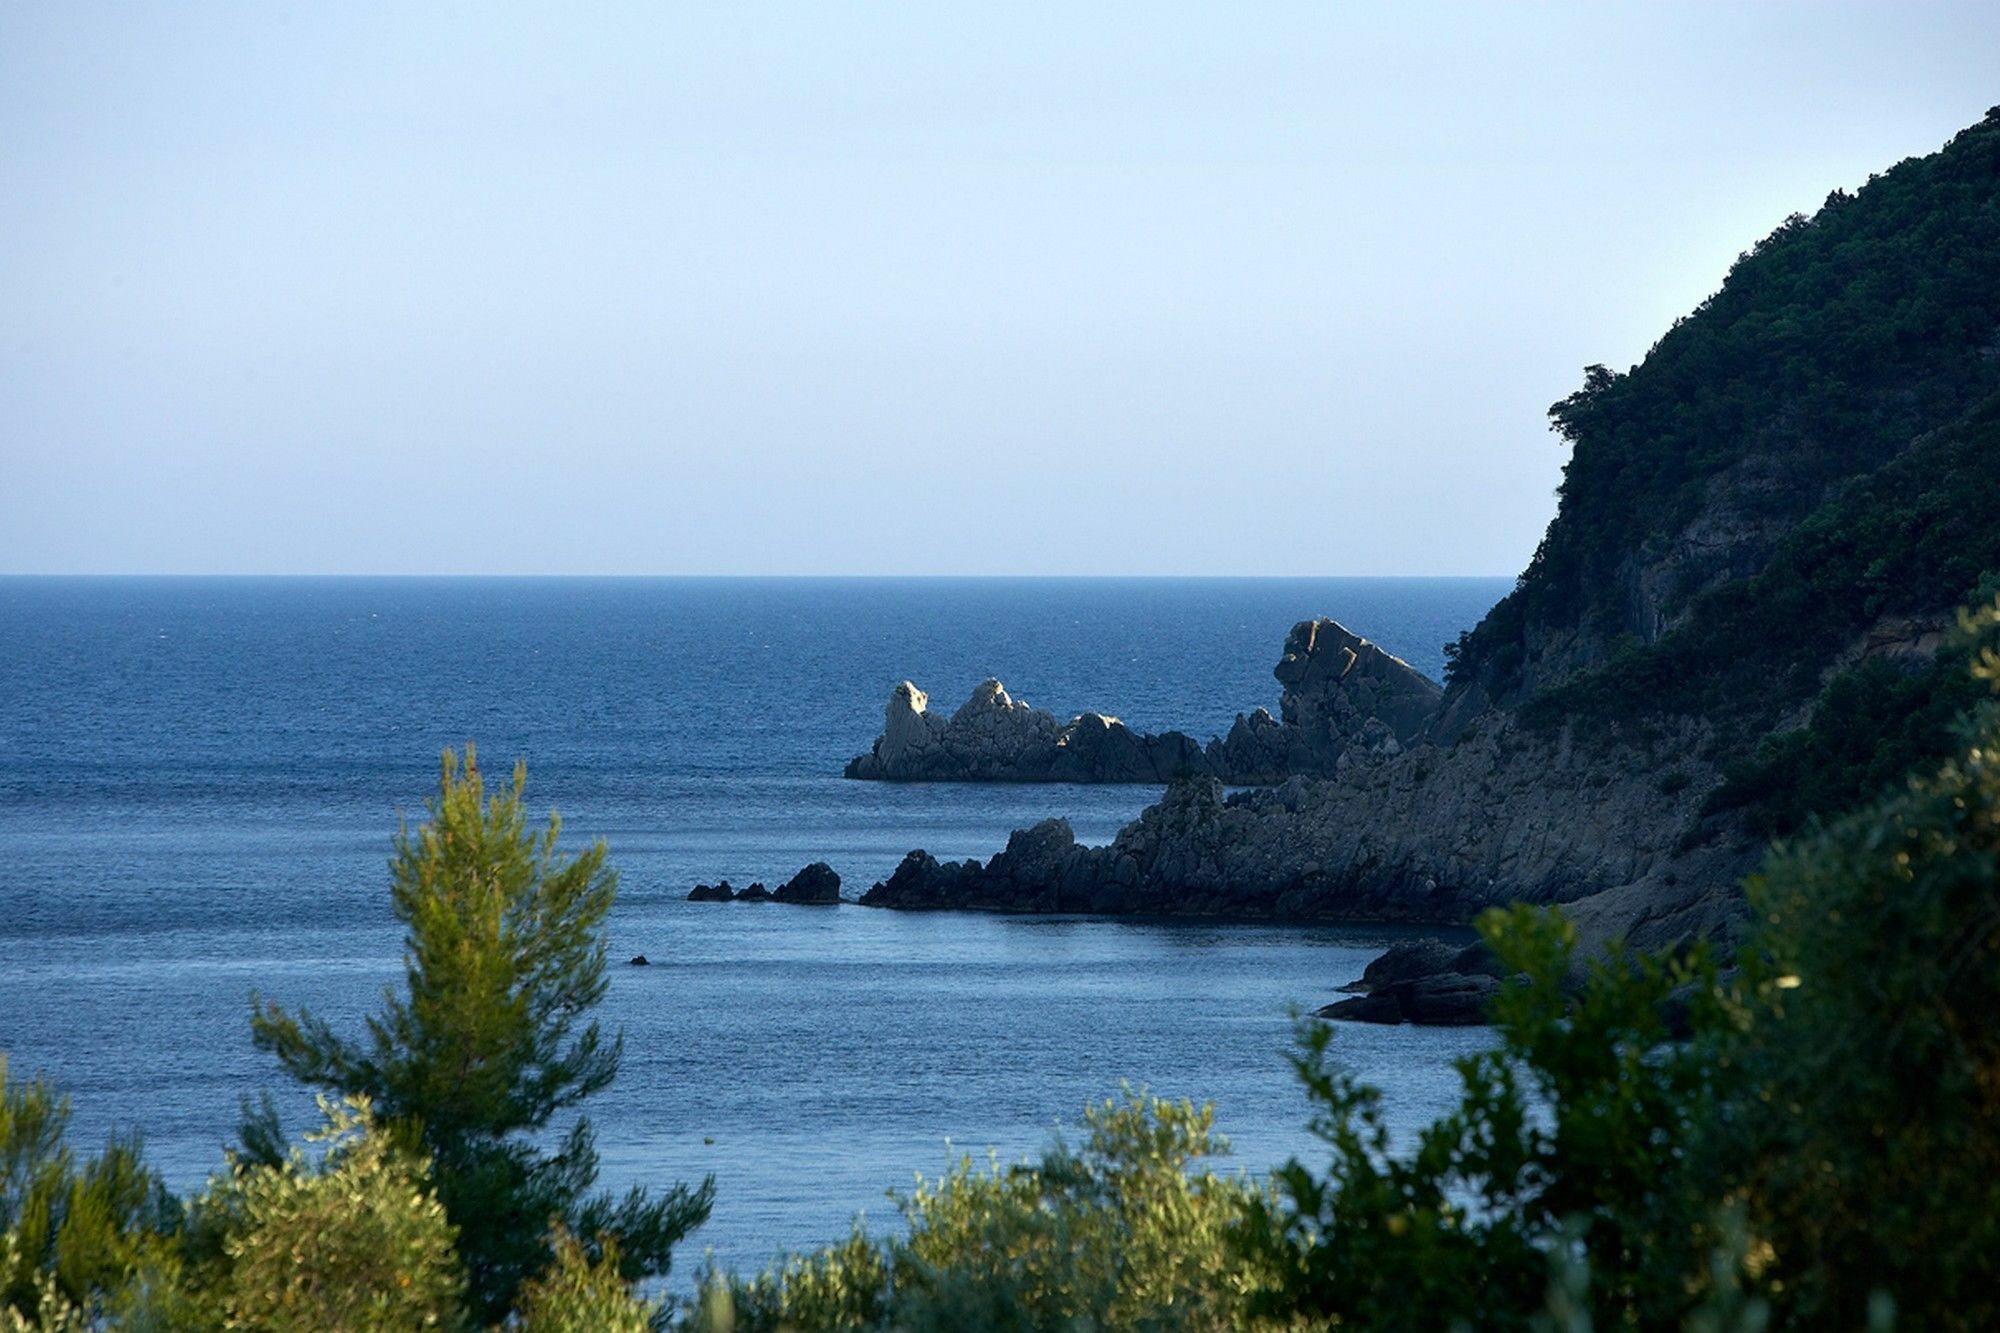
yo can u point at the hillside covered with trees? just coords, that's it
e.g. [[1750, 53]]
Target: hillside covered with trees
[[1802, 461]]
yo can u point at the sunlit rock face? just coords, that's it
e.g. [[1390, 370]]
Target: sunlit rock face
[[1342, 696], [994, 737], [911, 736]]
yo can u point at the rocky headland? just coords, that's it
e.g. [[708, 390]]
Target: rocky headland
[[1736, 622]]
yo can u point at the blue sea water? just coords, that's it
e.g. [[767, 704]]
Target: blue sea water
[[199, 779]]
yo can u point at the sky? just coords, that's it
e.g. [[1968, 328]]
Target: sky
[[865, 289]]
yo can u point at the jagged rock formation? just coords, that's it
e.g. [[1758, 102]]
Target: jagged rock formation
[[995, 738], [815, 886], [1341, 693], [1731, 622]]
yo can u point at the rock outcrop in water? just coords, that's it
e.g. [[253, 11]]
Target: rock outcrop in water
[[815, 886], [996, 738], [1426, 982], [1341, 693], [1731, 621]]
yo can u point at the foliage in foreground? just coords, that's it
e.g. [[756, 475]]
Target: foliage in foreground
[[355, 1239], [503, 960], [77, 1234], [1130, 1231]]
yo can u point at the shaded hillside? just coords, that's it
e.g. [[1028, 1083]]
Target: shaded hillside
[[1719, 516]]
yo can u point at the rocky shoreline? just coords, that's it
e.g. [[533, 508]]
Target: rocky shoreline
[[1375, 796]]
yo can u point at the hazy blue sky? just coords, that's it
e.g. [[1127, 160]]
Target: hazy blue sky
[[862, 289]]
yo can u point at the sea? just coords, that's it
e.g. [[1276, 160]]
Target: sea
[[200, 778]]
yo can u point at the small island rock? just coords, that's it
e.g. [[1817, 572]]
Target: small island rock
[[816, 885]]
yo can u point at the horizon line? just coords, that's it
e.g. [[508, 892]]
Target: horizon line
[[219, 575]]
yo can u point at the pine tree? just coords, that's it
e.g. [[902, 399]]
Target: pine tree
[[503, 960]]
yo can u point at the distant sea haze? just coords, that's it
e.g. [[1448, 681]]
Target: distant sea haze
[[199, 779]]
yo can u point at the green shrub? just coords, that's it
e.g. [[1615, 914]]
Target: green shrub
[[1569, 1140], [356, 1239], [579, 1294], [74, 1236], [1128, 1232], [1866, 1141]]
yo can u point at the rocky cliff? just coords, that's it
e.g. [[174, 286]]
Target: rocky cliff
[[1731, 623]]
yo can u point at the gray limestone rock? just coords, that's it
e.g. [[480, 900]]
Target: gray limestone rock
[[994, 737], [1344, 701]]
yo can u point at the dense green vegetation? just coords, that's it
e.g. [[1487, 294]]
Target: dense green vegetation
[[1918, 534], [1839, 391], [1870, 726], [75, 1232], [1126, 1232]]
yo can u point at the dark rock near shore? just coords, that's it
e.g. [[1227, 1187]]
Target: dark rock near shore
[[816, 885], [711, 893], [1406, 960], [640, 960], [1042, 869], [756, 893], [1428, 981], [1449, 999]]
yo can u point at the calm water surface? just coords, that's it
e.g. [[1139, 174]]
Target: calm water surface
[[198, 780]]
